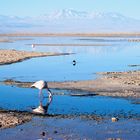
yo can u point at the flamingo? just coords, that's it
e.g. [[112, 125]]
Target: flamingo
[[33, 45], [42, 85]]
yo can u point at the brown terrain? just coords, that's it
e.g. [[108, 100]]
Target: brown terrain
[[12, 56], [10, 119]]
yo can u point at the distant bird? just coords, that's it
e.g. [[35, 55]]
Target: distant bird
[[42, 85], [74, 62], [33, 45]]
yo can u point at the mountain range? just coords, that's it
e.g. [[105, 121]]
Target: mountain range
[[69, 20]]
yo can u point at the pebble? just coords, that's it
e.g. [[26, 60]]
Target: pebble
[[114, 119], [21, 129], [50, 138], [43, 133], [55, 132]]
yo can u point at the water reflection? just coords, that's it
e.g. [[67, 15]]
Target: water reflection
[[112, 44], [25, 99], [43, 109]]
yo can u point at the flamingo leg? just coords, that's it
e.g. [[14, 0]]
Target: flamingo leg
[[50, 95], [40, 97]]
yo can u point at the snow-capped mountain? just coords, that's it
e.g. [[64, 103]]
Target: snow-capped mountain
[[67, 14], [69, 20], [73, 14]]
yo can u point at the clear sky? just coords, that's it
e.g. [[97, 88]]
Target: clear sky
[[129, 8]]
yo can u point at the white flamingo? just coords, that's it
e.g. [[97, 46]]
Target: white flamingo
[[33, 45], [42, 85]]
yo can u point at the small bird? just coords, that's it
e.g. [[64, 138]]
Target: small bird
[[42, 85], [74, 62], [33, 45]]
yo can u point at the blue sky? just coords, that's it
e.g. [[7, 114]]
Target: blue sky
[[129, 8]]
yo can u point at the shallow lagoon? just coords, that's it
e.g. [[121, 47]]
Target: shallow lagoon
[[116, 55]]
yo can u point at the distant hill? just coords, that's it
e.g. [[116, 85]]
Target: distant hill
[[68, 20]]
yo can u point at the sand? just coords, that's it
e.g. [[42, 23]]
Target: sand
[[13, 56], [10, 118]]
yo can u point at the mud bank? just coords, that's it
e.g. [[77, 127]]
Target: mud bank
[[11, 119], [13, 56], [120, 84]]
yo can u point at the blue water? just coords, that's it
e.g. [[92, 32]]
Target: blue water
[[115, 56], [25, 99], [23, 43]]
